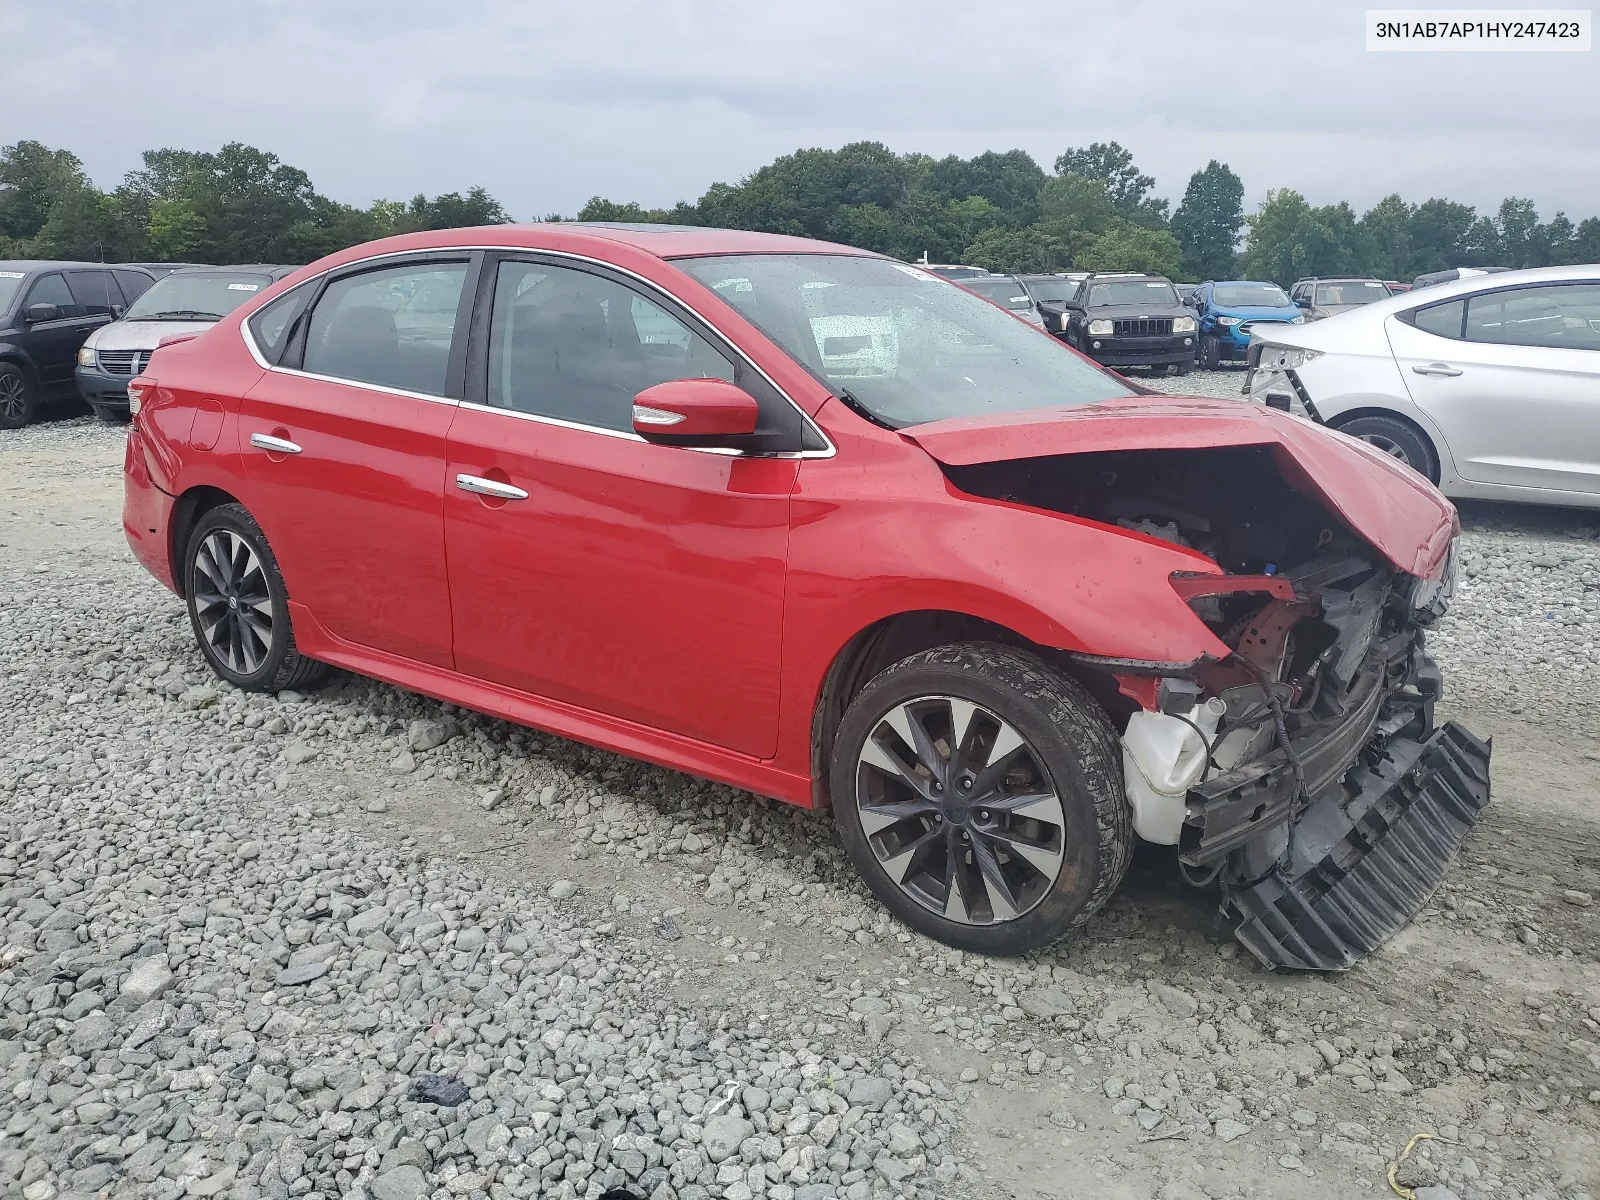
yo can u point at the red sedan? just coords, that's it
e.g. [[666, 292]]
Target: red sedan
[[814, 523]]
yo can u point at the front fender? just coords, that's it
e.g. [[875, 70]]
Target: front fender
[[11, 352], [877, 539]]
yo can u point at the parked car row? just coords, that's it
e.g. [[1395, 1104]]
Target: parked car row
[[1488, 385], [82, 330]]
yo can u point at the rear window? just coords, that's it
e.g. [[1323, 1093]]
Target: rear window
[[1132, 292], [207, 296]]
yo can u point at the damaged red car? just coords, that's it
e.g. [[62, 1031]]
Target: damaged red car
[[815, 523]]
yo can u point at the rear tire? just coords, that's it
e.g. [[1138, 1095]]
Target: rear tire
[[995, 862], [16, 397], [1399, 439], [239, 607]]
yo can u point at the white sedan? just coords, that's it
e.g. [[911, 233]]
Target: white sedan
[[1489, 386]]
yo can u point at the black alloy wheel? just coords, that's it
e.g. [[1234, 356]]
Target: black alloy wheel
[[16, 397], [979, 792], [239, 607]]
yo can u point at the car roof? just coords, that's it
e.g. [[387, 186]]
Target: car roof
[[44, 264], [276, 270], [682, 241]]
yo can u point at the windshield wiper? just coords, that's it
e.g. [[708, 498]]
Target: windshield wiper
[[180, 314], [860, 409]]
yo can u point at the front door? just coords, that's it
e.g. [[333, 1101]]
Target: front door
[[587, 566], [344, 448], [1512, 376], [53, 344]]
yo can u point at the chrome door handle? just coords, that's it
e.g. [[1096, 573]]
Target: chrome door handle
[[480, 486], [265, 441], [1444, 369]]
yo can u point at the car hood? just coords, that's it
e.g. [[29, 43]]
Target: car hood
[[1403, 516], [1259, 313], [141, 335]]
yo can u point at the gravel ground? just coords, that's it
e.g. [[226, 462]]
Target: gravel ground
[[358, 943]]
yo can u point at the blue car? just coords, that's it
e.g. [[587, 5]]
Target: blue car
[[1227, 311]]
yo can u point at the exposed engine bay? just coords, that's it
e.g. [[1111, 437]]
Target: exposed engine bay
[[1302, 774]]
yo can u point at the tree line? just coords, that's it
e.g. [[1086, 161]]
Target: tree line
[[1095, 210]]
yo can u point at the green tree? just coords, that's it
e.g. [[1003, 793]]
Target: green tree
[[1384, 233], [1074, 211], [1517, 224], [1289, 239], [1208, 221], [1585, 245], [1129, 247], [1438, 237], [88, 225], [1014, 250], [1129, 189], [1010, 181], [33, 178], [452, 210]]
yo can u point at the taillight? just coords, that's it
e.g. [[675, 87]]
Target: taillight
[[136, 393]]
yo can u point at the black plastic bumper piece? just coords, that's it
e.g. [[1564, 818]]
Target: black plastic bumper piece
[[1420, 801]]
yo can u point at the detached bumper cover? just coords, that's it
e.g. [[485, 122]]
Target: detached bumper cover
[[1417, 803]]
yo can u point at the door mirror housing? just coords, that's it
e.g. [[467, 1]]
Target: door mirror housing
[[43, 312], [696, 412], [1302, 302]]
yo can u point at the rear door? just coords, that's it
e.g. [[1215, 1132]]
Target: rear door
[[343, 445], [1512, 377]]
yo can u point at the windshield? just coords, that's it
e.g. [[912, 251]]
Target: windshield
[[207, 297], [1357, 291], [1051, 290], [899, 342], [1132, 291], [1007, 293], [10, 284], [1249, 295]]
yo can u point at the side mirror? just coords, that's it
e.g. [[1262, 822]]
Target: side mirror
[[695, 412], [43, 312], [116, 312], [1302, 302]]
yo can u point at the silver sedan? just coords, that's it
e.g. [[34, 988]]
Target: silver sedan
[[1489, 386]]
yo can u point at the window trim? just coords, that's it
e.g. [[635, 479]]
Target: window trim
[[1409, 317], [807, 423], [33, 284], [1469, 297]]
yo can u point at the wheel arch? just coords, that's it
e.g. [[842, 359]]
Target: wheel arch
[[19, 358], [186, 513], [1443, 462], [889, 639]]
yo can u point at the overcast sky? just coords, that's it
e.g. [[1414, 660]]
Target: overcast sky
[[547, 102]]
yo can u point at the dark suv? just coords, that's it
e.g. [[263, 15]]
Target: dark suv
[[47, 310], [1128, 321]]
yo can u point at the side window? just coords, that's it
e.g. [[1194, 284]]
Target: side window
[[51, 289], [133, 284], [578, 347], [94, 292], [273, 323], [391, 327], [1557, 316], [1441, 319]]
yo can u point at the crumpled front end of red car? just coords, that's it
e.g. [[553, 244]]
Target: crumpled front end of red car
[[1300, 772]]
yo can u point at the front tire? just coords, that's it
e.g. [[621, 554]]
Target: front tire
[[979, 792], [1399, 439], [1210, 354], [239, 607], [16, 397]]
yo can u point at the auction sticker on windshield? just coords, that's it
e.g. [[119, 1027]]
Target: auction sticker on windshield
[[12, 274], [244, 287]]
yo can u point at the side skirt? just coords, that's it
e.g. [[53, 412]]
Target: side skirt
[[552, 716]]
